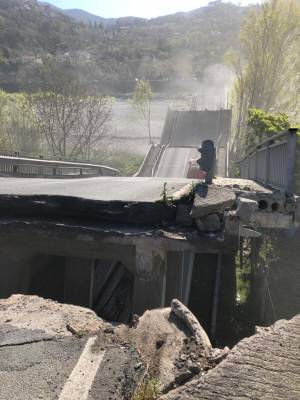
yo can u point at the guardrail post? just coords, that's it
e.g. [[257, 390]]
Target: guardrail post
[[292, 143], [267, 175], [256, 162]]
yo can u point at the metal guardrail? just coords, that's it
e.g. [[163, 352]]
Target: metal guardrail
[[20, 166], [272, 162]]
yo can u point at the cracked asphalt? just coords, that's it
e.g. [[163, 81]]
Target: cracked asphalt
[[34, 365]]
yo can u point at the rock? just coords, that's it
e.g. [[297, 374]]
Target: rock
[[183, 377], [165, 344], [183, 313], [195, 369], [212, 223], [219, 355], [264, 366], [211, 199]]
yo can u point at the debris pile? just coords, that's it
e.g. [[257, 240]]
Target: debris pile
[[166, 346]]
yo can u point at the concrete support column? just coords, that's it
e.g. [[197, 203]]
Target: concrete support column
[[79, 281], [150, 278]]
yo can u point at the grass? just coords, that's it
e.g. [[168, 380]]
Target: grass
[[243, 273], [148, 390]]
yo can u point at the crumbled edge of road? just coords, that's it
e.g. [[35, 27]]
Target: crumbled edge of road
[[167, 345]]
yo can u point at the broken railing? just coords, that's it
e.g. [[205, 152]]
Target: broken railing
[[19, 166], [272, 162]]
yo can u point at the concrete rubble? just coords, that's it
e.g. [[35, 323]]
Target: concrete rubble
[[264, 366], [172, 347]]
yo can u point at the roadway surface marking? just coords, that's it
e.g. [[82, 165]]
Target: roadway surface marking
[[82, 377]]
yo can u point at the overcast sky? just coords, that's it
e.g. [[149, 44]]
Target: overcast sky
[[137, 8]]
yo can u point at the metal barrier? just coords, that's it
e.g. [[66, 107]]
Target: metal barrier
[[272, 162], [19, 166]]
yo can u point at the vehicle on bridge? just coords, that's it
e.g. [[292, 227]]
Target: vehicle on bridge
[[194, 171]]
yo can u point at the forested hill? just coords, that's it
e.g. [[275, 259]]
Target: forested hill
[[174, 46]]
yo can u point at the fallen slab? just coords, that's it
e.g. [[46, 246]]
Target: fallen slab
[[265, 366], [172, 344], [211, 199]]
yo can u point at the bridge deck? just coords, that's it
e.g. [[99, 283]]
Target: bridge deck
[[112, 188]]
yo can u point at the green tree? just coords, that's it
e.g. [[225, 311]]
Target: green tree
[[267, 71], [260, 124], [141, 102]]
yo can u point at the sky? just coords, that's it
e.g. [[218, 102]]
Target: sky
[[137, 8]]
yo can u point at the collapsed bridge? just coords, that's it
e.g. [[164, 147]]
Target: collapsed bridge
[[124, 245]]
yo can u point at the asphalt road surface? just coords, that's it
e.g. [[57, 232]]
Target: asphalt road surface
[[102, 188], [35, 366], [174, 162]]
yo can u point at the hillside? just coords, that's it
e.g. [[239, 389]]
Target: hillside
[[178, 46], [88, 18]]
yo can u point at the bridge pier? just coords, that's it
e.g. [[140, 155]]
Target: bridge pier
[[150, 278]]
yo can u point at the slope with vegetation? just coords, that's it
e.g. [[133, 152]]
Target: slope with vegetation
[[174, 46]]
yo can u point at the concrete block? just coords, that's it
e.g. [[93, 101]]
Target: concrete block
[[246, 209], [275, 220], [212, 223], [210, 199]]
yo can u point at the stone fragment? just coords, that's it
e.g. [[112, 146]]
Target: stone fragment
[[263, 366], [212, 223], [219, 355], [211, 199], [182, 377], [182, 312]]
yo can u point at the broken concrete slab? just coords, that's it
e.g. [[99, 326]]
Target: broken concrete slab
[[238, 184], [211, 199], [172, 344], [264, 366], [13, 336], [183, 313], [54, 319]]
